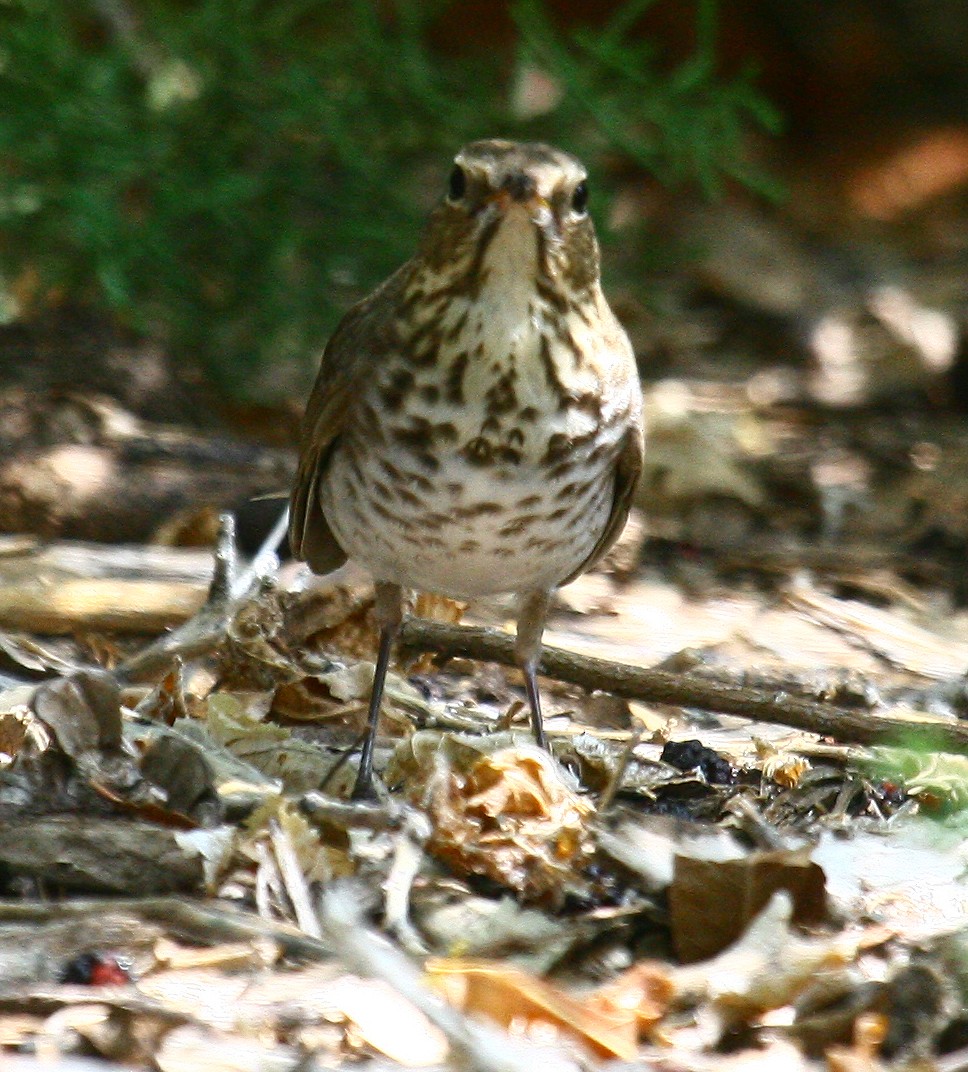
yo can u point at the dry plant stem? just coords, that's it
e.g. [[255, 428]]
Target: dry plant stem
[[618, 774], [201, 633], [294, 879], [407, 859], [228, 589], [183, 917], [207, 628], [361, 814], [268, 882], [266, 560], [956, 1061], [46, 999], [686, 690]]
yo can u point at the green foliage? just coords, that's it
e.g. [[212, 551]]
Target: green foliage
[[938, 778], [229, 174], [682, 125]]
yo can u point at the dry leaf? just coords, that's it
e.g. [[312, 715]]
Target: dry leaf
[[644, 990], [712, 901], [179, 768], [307, 700], [509, 816], [83, 712], [769, 965], [524, 1004], [15, 715], [387, 1022], [318, 861], [870, 1030]]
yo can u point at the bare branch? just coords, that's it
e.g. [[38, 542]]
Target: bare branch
[[687, 690]]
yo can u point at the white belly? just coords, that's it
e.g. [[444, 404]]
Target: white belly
[[473, 533]]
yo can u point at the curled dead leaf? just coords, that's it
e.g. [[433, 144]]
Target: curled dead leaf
[[785, 770], [509, 815]]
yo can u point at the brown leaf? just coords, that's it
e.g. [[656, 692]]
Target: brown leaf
[[509, 816], [520, 1002], [82, 711], [712, 901], [644, 990], [14, 718], [180, 768]]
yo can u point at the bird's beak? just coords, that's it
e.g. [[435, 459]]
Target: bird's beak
[[534, 204], [500, 199]]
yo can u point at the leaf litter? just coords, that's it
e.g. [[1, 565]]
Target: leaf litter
[[186, 884]]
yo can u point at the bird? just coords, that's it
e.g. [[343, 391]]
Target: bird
[[475, 427]]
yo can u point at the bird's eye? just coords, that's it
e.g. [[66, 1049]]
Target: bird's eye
[[457, 184], [579, 199]]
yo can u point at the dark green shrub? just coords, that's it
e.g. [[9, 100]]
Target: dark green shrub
[[229, 174]]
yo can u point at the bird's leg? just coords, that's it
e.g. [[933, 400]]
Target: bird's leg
[[531, 623], [389, 615]]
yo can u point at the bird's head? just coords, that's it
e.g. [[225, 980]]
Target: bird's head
[[514, 208]]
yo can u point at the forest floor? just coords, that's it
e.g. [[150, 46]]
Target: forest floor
[[748, 850]]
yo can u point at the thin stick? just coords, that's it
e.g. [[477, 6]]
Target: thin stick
[[618, 773], [294, 879], [198, 921], [688, 690], [200, 633], [265, 563]]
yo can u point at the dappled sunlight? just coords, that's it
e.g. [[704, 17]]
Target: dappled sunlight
[[86, 470], [839, 378], [934, 164], [932, 332]]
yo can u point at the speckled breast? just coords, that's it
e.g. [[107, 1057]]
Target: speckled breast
[[469, 474]]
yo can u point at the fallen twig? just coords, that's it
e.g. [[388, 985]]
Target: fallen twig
[[200, 633], [294, 879], [688, 690], [229, 588], [71, 587], [196, 921], [265, 563]]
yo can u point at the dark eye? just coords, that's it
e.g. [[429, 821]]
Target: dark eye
[[457, 184], [579, 199]]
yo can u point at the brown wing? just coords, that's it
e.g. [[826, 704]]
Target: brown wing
[[628, 469], [361, 340], [310, 537]]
